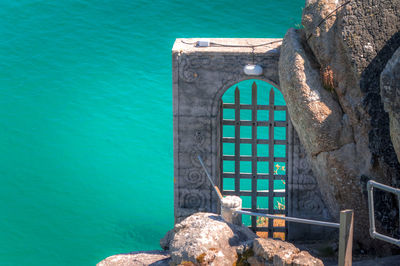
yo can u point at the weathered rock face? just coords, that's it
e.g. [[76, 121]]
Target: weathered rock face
[[276, 252], [390, 92], [205, 238], [144, 258], [322, 126], [330, 75]]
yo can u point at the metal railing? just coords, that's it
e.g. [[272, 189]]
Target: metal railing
[[372, 230], [345, 226], [291, 219]]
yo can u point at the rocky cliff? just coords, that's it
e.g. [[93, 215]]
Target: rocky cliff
[[330, 75]]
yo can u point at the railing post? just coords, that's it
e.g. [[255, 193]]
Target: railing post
[[346, 238], [229, 206]]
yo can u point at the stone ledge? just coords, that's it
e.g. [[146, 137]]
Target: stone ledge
[[139, 258], [186, 45]]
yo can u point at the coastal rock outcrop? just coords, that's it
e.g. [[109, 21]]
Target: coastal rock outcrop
[[319, 121], [329, 74], [205, 238], [271, 251]]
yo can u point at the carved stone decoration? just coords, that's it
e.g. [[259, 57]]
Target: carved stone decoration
[[201, 61], [304, 180], [307, 181], [194, 200], [309, 203], [305, 199], [186, 72], [194, 156], [199, 138], [195, 178]]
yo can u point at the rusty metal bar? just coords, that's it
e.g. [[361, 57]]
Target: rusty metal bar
[[259, 141], [271, 161], [251, 158], [237, 139], [221, 161], [265, 193], [254, 153], [276, 229], [250, 107], [230, 122], [286, 169], [259, 176]]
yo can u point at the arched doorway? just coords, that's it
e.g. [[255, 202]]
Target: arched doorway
[[254, 152], [201, 76]]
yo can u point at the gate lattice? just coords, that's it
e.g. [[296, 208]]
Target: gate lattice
[[262, 201]]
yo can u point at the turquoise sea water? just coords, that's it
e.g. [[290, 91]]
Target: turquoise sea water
[[86, 167]]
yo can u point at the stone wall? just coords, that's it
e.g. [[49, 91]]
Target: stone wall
[[305, 199], [201, 75]]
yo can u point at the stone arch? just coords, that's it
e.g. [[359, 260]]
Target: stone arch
[[220, 92]]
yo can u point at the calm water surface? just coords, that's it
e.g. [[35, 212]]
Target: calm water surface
[[86, 167]]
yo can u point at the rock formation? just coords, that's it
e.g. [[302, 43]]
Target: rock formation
[[280, 253], [206, 239], [140, 258], [329, 75]]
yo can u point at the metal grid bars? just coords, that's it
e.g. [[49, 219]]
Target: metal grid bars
[[256, 173]]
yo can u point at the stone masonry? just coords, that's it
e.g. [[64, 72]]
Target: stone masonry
[[201, 75]]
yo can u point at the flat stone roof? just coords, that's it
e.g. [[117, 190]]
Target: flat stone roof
[[227, 45]]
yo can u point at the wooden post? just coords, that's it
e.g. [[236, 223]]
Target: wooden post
[[346, 238]]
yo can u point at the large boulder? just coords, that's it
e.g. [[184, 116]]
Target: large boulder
[[390, 92], [275, 252], [329, 74], [205, 238], [320, 123]]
